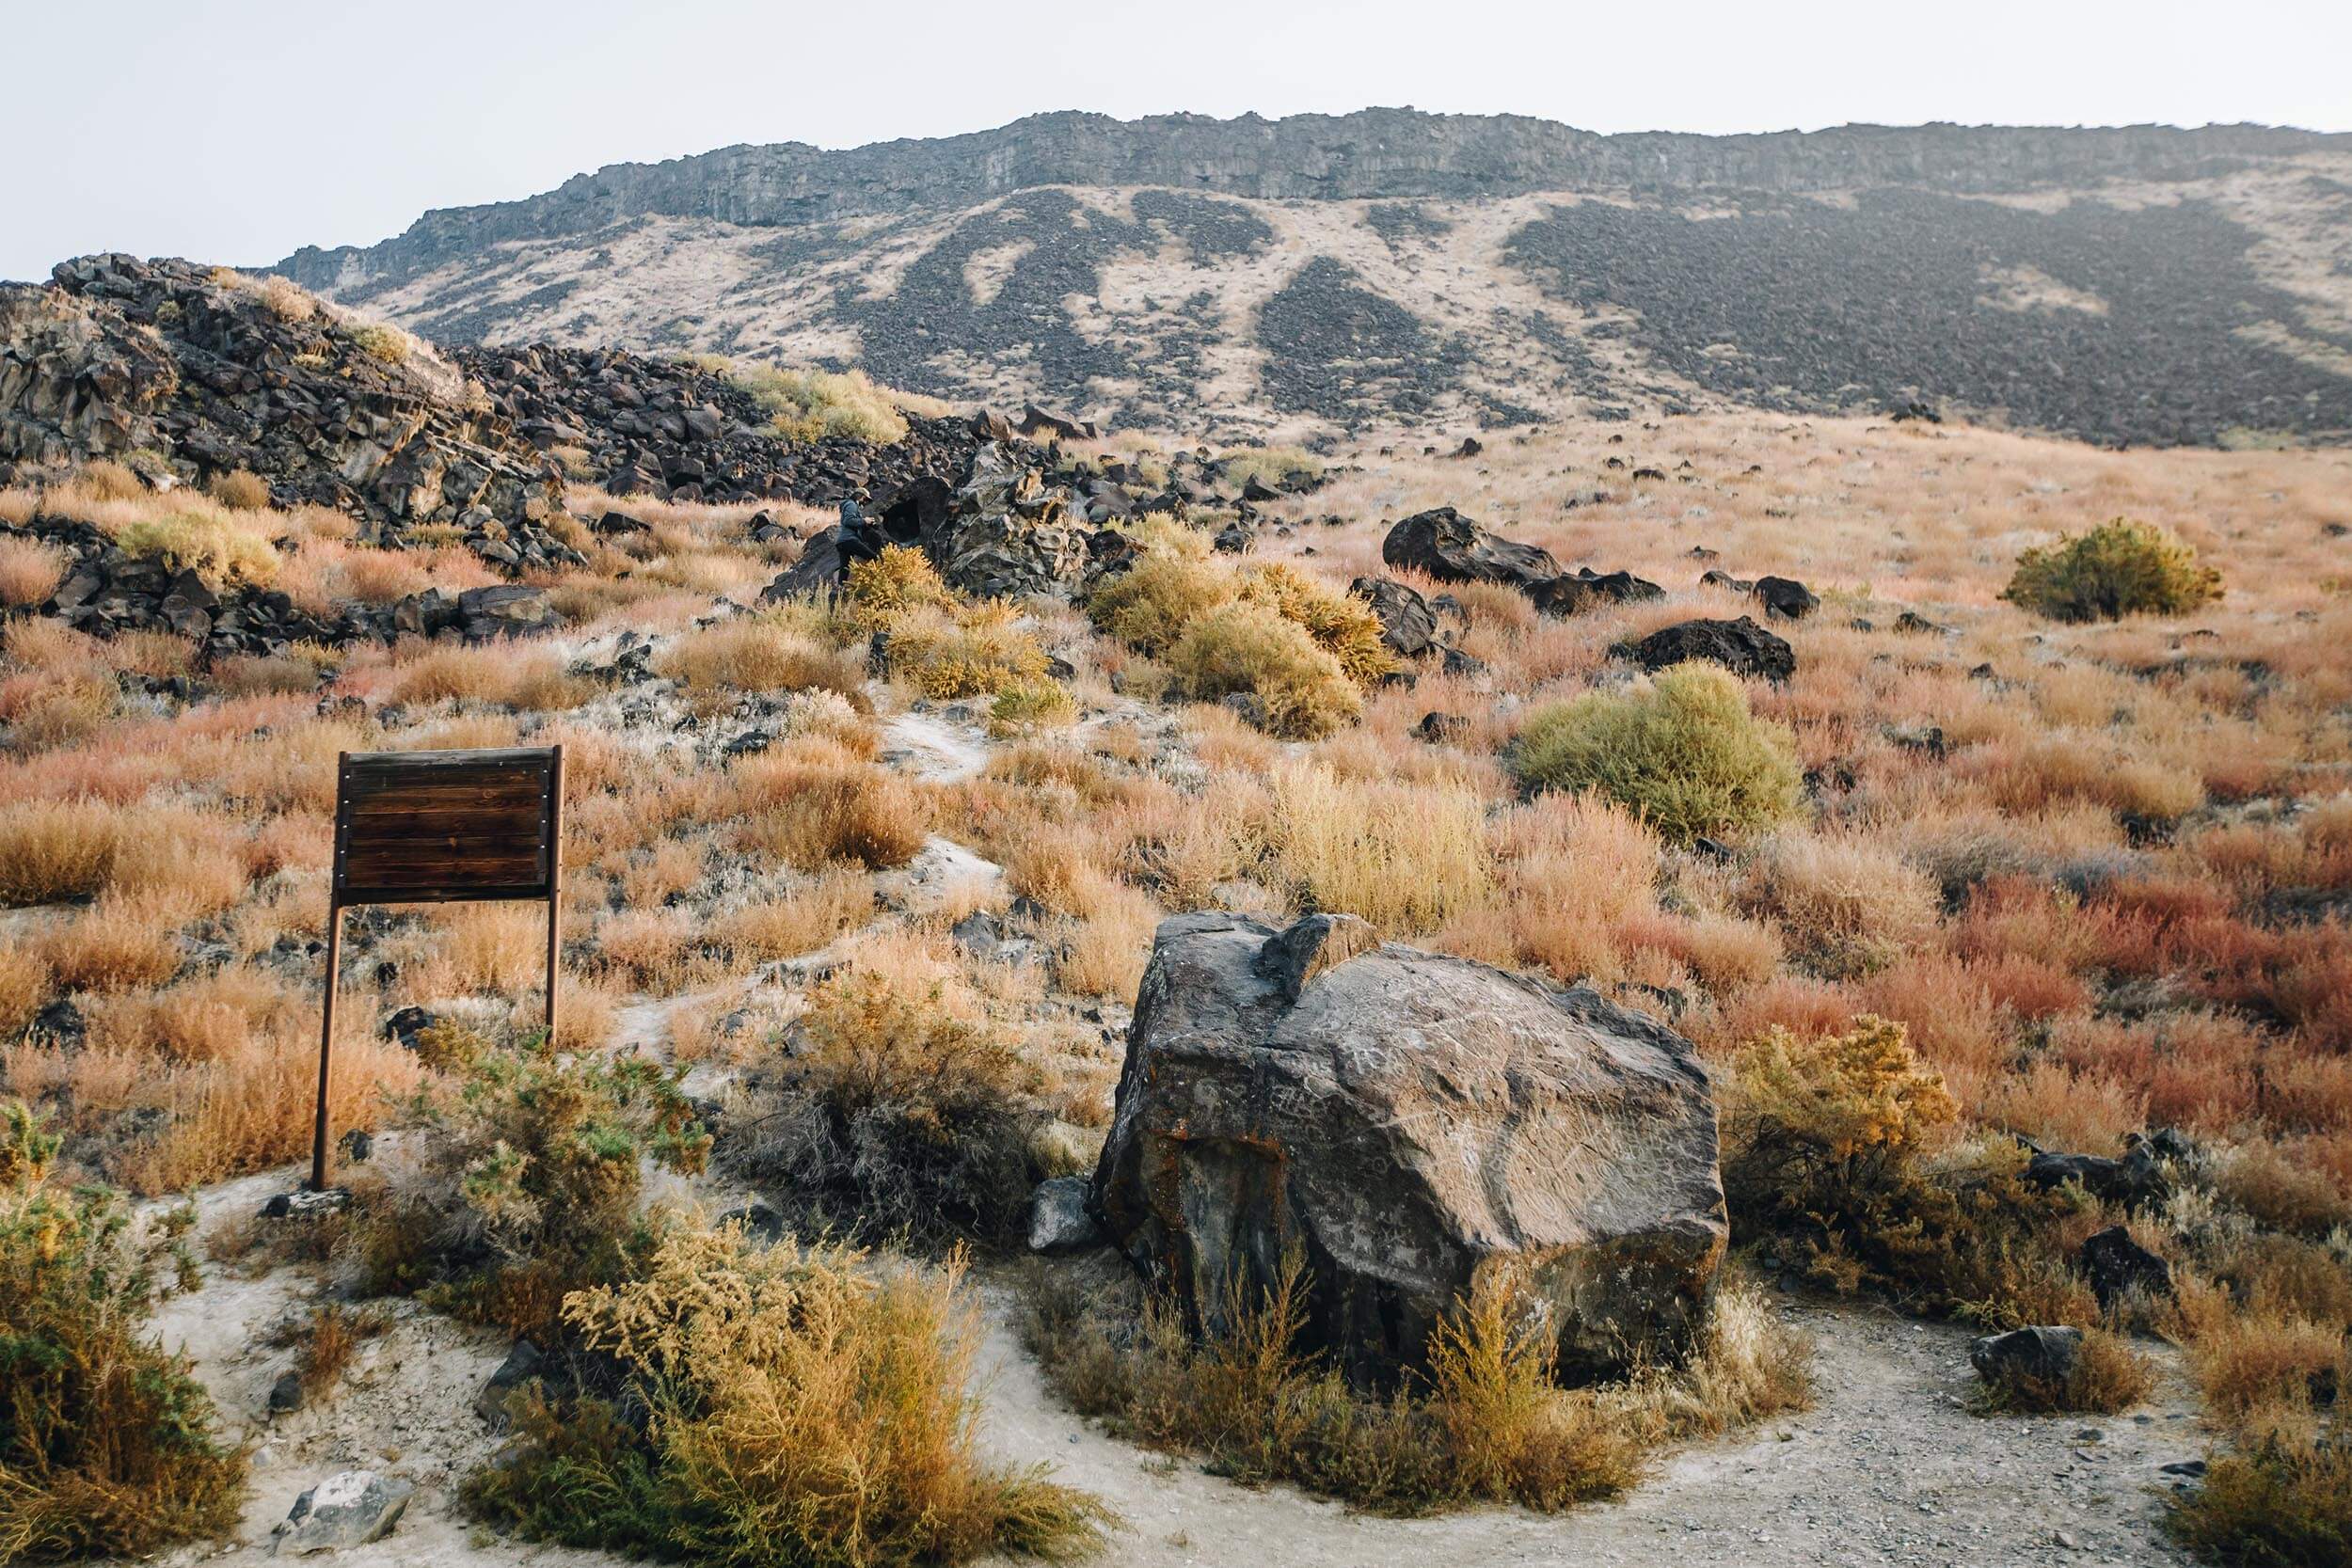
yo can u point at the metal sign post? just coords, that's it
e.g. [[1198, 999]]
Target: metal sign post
[[440, 828]]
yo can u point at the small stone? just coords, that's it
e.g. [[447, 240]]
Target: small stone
[[349, 1509]]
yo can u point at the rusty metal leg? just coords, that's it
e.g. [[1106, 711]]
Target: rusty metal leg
[[326, 1043]]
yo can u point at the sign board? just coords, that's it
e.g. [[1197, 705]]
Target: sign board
[[440, 828]]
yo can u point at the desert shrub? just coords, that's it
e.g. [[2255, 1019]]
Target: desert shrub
[[901, 579], [383, 341], [1023, 706], [2109, 1375], [1341, 624], [808, 405], [1272, 465], [2117, 569], [972, 651], [1683, 753], [526, 1189], [1296, 689], [1148, 606], [803, 1408], [25, 982], [1832, 1159], [2279, 1506], [240, 490], [107, 1443], [1488, 1422], [30, 571], [903, 1110], [204, 538]]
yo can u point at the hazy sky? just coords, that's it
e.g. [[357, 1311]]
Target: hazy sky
[[236, 132]]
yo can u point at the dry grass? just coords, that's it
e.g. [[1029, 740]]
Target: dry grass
[[817, 1409], [30, 571], [1489, 1424]]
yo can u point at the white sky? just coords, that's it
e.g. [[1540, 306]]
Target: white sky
[[237, 130]]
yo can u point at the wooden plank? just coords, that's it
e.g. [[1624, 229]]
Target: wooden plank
[[489, 756], [525, 826], [446, 795], [529, 893], [473, 870]]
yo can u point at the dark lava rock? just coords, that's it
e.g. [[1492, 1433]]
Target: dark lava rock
[[2116, 1267], [1786, 598], [762, 1226], [2137, 1181], [1741, 646], [1441, 728], [1569, 594], [1407, 1120], [1452, 548], [1407, 626], [408, 1024], [2040, 1354]]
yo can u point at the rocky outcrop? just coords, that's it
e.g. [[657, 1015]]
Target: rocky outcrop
[[107, 590], [678, 430], [183, 373], [1408, 1122]]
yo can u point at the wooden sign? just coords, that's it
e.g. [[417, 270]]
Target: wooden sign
[[440, 828]]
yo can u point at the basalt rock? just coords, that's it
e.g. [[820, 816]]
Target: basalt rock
[[1409, 1123], [1741, 646], [1571, 594], [184, 373], [1786, 598], [1408, 626], [1452, 549]]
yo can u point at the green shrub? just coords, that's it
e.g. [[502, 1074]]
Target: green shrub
[[2119, 568], [529, 1185], [880, 591], [1684, 754], [1023, 706], [2279, 1506], [970, 651], [205, 538], [382, 341], [809, 405], [806, 1409], [107, 1443], [1298, 691]]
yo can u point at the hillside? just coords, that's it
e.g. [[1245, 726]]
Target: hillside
[[1390, 271]]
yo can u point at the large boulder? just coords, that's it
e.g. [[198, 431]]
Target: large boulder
[[1407, 1121], [1740, 646], [1452, 548]]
